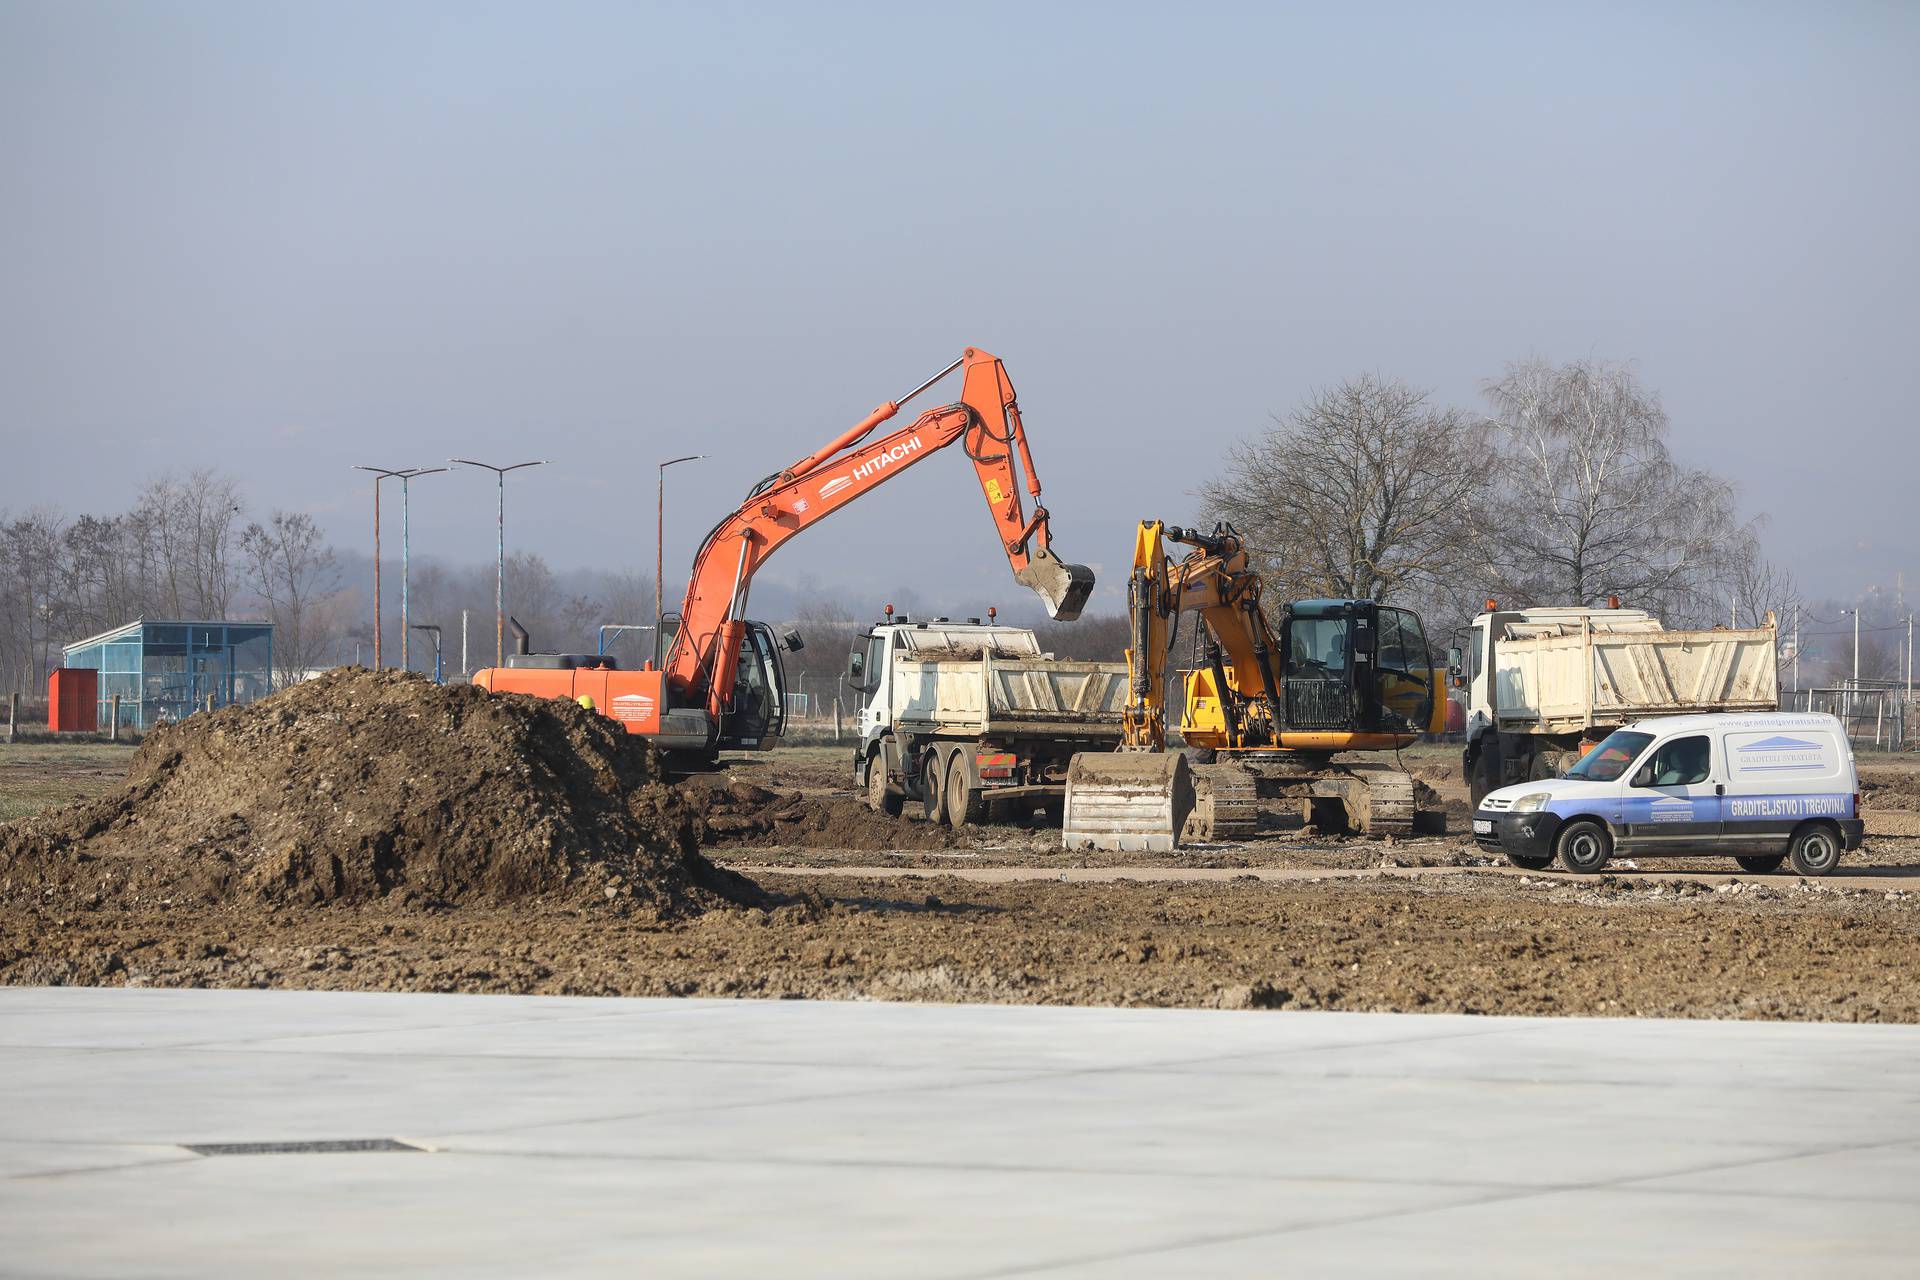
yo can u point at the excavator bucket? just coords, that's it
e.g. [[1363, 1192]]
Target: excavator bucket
[[1127, 800], [1065, 587]]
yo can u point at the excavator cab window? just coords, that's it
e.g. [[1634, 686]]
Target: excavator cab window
[[1319, 694], [759, 690], [1403, 673], [1317, 647]]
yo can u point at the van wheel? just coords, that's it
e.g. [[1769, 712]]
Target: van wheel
[[1760, 863], [932, 807], [880, 797], [1815, 849], [1584, 846], [1530, 863]]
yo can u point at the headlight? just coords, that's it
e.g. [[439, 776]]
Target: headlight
[[1532, 803]]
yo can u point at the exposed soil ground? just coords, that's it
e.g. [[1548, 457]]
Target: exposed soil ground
[[1636, 943]]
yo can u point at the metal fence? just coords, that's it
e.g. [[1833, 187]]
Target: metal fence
[[1877, 714]]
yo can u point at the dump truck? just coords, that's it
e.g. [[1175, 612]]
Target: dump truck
[[971, 721], [1542, 685]]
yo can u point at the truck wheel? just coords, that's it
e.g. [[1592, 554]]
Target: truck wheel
[[1760, 863], [880, 797], [932, 806], [1815, 849], [1584, 846], [1481, 778], [964, 805]]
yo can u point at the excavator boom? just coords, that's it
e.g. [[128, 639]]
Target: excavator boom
[[985, 421]]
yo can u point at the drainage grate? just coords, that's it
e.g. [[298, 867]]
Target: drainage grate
[[297, 1148]]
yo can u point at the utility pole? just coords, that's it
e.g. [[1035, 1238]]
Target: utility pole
[[402, 474], [500, 562], [660, 553]]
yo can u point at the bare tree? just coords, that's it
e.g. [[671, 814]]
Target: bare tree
[[293, 572], [1364, 491], [32, 606], [1589, 502], [189, 526]]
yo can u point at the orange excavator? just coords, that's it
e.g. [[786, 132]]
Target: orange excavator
[[721, 685]]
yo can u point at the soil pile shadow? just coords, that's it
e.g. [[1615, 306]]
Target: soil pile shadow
[[363, 785], [741, 815]]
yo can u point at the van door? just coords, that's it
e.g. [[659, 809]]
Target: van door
[[1673, 802], [1780, 777]]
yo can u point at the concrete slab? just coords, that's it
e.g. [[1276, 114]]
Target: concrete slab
[[676, 1138]]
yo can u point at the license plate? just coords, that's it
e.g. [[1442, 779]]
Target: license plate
[[1483, 826]]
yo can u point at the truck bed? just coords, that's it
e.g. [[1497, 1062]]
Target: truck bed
[[1010, 697], [1574, 677]]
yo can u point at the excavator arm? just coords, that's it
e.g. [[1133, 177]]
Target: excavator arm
[[1215, 583], [985, 421]]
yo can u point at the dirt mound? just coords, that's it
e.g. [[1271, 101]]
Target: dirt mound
[[741, 815], [1889, 789], [364, 785]]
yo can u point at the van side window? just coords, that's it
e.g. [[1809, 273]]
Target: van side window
[[1682, 762]]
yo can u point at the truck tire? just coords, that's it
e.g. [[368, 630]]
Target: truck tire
[[965, 808], [1584, 846], [1483, 778], [932, 796], [1760, 863], [1815, 849], [880, 797]]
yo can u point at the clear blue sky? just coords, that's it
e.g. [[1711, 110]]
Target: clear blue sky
[[283, 239]]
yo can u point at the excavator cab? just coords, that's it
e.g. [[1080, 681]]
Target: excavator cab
[[758, 711], [1355, 667]]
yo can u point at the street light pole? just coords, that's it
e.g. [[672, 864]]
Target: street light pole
[[500, 559], [406, 542], [402, 474], [660, 553]]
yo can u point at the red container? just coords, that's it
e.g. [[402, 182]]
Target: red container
[[73, 700]]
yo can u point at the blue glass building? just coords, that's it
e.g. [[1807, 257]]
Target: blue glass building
[[170, 669]]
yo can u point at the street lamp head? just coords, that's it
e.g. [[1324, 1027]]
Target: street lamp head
[[692, 457], [488, 466], [399, 473]]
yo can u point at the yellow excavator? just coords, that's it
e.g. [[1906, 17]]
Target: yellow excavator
[[1266, 709]]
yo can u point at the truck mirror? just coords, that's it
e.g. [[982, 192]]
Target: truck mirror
[[793, 642], [1643, 776], [1453, 660], [856, 667], [1365, 641]]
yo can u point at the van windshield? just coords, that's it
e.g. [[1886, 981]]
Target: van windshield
[[1612, 758]]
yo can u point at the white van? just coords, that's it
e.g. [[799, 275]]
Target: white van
[[1764, 788]]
